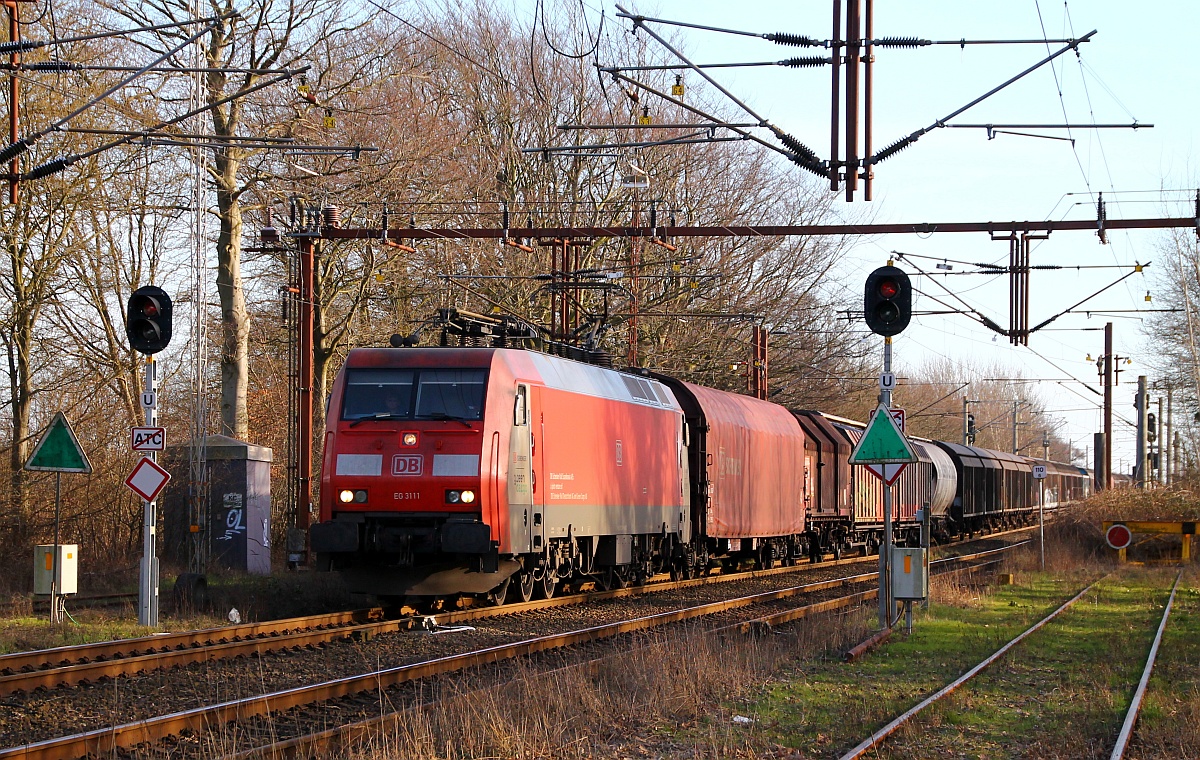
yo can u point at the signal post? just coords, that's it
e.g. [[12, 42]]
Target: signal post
[[883, 448], [148, 327]]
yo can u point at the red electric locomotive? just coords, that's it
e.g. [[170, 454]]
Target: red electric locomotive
[[453, 470], [475, 470]]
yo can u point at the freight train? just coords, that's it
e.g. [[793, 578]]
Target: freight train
[[505, 473]]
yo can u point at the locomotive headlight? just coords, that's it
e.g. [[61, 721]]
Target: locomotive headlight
[[346, 496], [468, 497], [453, 497], [409, 439], [360, 497]]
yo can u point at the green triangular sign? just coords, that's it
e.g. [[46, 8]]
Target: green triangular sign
[[59, 450], [882, 443]]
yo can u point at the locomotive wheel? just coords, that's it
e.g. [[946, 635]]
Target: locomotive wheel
[[496, 596], [546, 586], [522, 590]]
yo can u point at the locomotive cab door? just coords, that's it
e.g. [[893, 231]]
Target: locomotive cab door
[[522, 517]]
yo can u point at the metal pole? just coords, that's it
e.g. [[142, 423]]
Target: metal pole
[[885, 553], [966, 439], [868, 100], [926, 540], [55, 612], [148, 575], [853, 39], [1016, 404], [1042, 520], [1160, 473], [1168, 445], [1108, 404], [304, 426], [1139, 468], [835, 52]]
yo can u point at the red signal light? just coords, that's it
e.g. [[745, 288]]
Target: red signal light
[[888, 288], [149, 309]]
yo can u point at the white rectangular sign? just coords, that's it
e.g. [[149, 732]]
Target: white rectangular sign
[[1039, 471], [147, 438]]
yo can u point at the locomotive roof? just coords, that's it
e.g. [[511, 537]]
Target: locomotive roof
[[530, 366]]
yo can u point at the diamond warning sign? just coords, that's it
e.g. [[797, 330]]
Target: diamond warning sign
[[147, 479]]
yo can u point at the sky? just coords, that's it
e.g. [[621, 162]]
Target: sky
[[1131, 70]]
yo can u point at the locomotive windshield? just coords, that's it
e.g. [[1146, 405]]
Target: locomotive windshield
[[401, 394]]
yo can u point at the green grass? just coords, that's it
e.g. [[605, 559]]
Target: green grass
[[1062, 693]]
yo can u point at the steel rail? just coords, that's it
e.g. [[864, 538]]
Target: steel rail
[[779, 618], [122, 648], [68, 666], [1135, 705], [110, 739], [70, 675], [874, 739], [340, 736]]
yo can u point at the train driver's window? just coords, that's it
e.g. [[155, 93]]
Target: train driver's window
[[378, 393], [454, 394]]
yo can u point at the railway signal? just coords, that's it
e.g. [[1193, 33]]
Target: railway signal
[[148, 320], [887, 302]]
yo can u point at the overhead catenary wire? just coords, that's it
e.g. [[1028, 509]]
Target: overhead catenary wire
[[800, 153], [15, 149]]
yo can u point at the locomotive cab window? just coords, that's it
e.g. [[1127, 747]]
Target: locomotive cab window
[[378, 394], [402, 394], [450, 394]]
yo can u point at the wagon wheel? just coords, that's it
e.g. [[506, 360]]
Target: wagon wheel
[[546, 586], [613, 579], [496, 595], [522, 590], [766, 558]]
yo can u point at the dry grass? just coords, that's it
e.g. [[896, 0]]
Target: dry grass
[[1079, 538], [657, 699]]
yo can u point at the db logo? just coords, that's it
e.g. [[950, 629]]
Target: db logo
[[406, 464]]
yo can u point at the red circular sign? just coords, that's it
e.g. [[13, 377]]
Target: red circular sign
[[1118, 536]]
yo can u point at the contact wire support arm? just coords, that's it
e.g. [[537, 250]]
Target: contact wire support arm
[[800, 153], [904, 142]]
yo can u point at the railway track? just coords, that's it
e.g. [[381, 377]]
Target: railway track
[[90, 663], [65, 666], [876, 742], [343, 696]]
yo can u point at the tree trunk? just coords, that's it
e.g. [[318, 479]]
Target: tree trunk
[[235, 322]]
